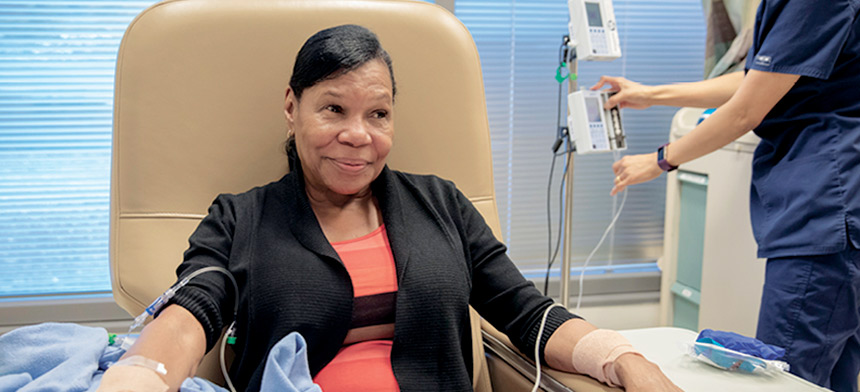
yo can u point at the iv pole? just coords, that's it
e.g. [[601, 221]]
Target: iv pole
[[568, 193]]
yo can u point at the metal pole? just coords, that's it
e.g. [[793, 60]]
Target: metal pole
[[568, 202]]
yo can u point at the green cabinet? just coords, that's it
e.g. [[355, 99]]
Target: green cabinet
[[686, 290]]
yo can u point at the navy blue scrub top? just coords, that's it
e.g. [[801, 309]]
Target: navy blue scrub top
[[805, 189]]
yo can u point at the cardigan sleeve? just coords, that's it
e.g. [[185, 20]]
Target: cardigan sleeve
[[500, 293], [208, 295]]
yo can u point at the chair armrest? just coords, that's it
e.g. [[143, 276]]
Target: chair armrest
[[510, 370]]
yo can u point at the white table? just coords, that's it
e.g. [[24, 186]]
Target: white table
[[663, 346]]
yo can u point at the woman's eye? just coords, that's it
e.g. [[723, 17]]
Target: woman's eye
[[380, 114], [334, 108]]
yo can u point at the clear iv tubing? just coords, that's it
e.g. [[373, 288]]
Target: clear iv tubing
[[537, 345], [159, 302], [579, 298], [615, 156]]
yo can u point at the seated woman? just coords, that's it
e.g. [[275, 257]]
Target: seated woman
[[375, 268]]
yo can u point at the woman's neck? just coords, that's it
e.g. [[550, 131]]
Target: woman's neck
[[344, 217]]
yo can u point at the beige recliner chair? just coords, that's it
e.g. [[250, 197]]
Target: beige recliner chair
[[199, 111]]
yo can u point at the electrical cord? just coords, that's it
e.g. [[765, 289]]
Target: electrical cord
[[552, 254], [562, 136]]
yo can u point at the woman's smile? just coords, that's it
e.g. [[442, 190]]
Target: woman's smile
[[350, 165]]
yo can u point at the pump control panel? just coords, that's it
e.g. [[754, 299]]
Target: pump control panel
[[594, 129]]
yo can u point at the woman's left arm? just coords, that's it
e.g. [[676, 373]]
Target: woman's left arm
[[758, 93], [633, 371]]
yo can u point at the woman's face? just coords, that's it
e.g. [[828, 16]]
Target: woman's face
[[344, 128]]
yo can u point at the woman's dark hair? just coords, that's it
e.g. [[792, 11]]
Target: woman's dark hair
[[335, 51], [330, 53]]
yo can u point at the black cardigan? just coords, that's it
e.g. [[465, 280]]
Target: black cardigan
[[290, 279]]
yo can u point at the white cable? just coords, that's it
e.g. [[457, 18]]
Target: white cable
[[164, 298], [608, 228], [615, 156], [537, 344], [224, 362]]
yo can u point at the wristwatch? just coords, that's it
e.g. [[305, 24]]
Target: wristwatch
[[661, 160]]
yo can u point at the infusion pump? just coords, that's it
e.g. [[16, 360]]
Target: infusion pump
[[594, 128], [593, 30]]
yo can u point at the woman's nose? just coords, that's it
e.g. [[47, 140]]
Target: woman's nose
[[356, 134]]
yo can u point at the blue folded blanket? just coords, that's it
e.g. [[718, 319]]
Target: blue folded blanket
[[62, 357]]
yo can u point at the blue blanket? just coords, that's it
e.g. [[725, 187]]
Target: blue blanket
[[59, 357]]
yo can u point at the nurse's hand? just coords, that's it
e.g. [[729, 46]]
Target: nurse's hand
[[629, 93], [634, 169], [637, 374]]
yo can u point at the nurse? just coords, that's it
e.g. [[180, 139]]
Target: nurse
[[801, 94]]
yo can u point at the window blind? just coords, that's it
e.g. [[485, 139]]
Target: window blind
[[518, 41], [57, 61]]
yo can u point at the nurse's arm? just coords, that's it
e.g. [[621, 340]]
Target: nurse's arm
[[708, 93], [757, 94], [175, 339]]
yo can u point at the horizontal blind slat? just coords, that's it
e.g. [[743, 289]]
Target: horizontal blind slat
[[57, 61]]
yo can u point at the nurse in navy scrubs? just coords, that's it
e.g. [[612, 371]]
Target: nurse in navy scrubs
[[800, 93]]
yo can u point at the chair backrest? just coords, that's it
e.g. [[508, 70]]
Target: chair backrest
[[199, 111]]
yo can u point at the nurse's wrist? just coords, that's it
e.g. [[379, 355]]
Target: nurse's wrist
[[659, 94], [653, 167], [663, 159]]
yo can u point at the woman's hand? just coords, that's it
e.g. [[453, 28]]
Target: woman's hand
[[629, 93], [634, 169], [637, 374]]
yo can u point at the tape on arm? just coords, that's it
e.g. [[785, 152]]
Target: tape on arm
[[133, 374], [596, 352]]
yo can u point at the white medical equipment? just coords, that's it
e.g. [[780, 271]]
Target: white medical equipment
[[593, 30], [594, 37], [594, 128]]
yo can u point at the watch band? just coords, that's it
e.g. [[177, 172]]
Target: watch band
[[661, 160]]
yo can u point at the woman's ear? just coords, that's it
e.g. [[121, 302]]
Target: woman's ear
[[290, 107]]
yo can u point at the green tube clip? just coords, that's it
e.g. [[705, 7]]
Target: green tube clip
[[558, 77]]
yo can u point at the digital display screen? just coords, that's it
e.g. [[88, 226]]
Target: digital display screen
[[592, 109], [593, 12]]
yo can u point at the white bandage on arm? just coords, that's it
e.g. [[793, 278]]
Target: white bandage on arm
[[133, 374], [596, 352]]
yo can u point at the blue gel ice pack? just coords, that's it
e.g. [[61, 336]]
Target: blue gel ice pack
[[740, 343]]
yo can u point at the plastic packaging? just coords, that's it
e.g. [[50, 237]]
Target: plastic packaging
[[731, 360]]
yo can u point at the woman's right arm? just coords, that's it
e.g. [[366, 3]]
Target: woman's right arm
[[710, 93], [175, 339]]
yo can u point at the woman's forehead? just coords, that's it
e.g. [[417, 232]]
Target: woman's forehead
[[371, 80]]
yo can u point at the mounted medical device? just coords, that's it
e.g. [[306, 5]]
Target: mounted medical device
[[594, 128], [593, 30], [593, 37]]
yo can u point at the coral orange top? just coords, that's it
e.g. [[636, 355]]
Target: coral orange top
[[364, 362]]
